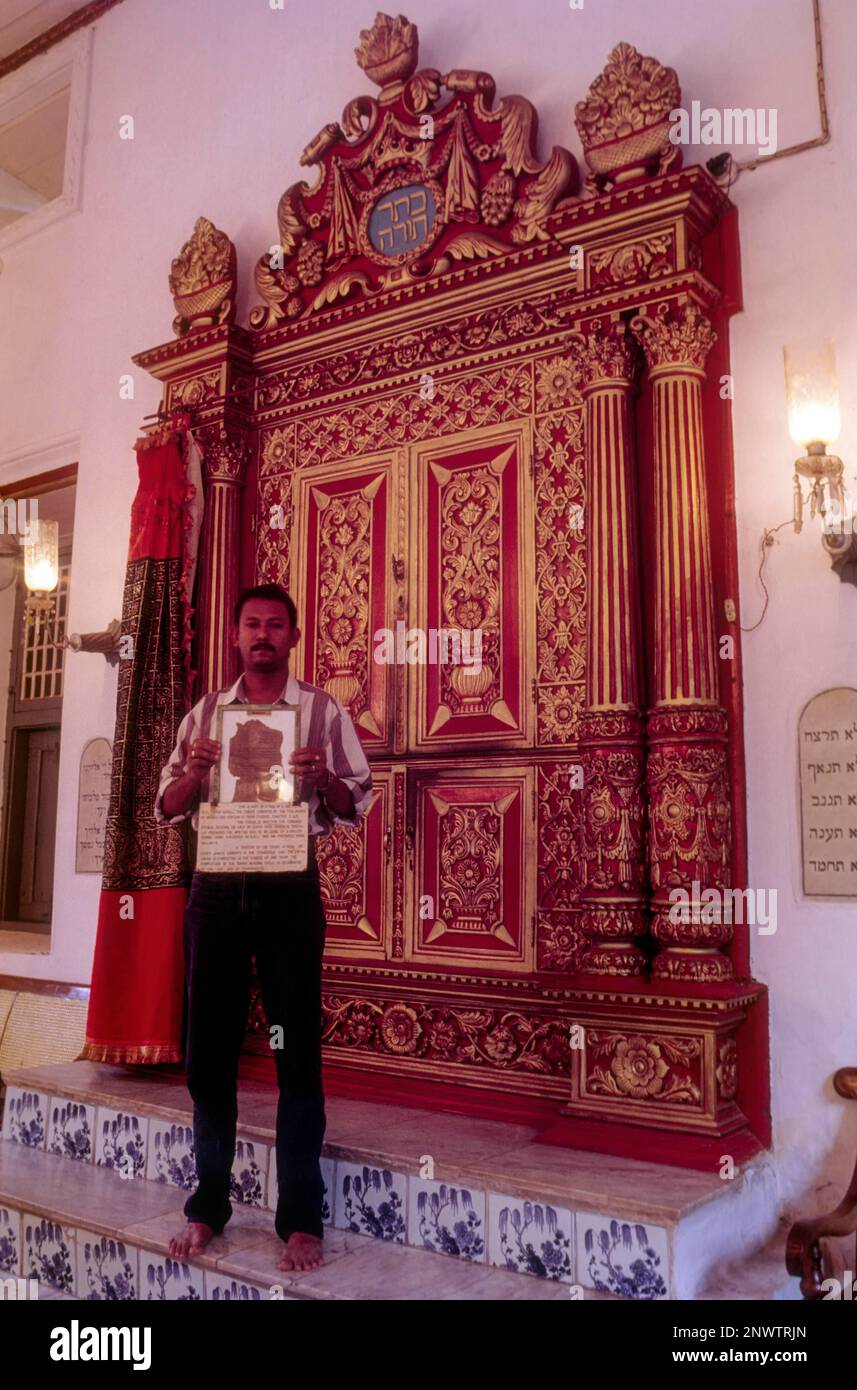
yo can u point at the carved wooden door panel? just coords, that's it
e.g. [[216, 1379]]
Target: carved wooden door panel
[[355, 868], [344, 587], [471, 837], [471, 537]]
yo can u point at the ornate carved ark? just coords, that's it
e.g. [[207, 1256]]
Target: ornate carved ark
[[474, 398]]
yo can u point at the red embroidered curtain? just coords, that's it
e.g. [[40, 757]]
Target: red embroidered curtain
[[135, 1007]]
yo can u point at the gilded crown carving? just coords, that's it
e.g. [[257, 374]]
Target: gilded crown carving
[[623, 122], [409, 184], [202, 279], [675, 338]]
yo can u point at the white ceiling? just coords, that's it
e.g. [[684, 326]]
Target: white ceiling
[[23, 20]]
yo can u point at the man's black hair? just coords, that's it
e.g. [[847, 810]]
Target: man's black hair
[[275, 592]]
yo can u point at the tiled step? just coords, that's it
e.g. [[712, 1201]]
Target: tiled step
[[82, 1234], [481, 1192]]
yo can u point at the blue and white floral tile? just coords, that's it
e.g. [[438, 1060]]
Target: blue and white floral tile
[[49, 1253], [371, 1201], [249, 1173], [225, 1288], [106, 1268], [120, 1142], [171, 1158], [448, 1219], [10, 1241], [164, 1280], [328, 1176], [25, 1117], [530, 1237], [70, 1124], [622, 1257]]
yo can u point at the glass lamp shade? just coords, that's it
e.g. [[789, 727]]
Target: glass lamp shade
[[812, 394], [42, 557]]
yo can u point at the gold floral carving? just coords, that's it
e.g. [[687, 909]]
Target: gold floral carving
[[679, 338], [560, 558], [342, 621], [470, 887], [560, 942], [689, 816], [475, 400], [278, 450], [476, 1038], [560, 811], [727, 1069], [662, 1069], [202, 279], [340, 868], [623, 122], [426, 348], [197, 391], [273, 543], [647, 259], [471, 574]]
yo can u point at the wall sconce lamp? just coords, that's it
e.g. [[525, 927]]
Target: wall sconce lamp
[[41, 572], [814, 423]]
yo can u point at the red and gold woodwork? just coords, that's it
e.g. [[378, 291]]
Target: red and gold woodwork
[[473, 400]]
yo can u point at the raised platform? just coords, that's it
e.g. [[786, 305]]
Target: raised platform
[[419, 1204]]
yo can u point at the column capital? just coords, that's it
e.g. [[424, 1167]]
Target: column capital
[[608, 355], [676, 339], [225, 454]]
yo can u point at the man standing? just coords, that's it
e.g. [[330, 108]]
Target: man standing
[[279, 918]]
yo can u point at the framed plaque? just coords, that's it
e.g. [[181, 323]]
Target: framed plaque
[[252, 823], [93, 800], [256, 742]]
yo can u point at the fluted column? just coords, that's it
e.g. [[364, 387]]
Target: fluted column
[[689, 839], [224, 467], [612, 747]]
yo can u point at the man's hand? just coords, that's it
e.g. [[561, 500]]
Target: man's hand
[[204, 753], [183, 794], [311, 764]]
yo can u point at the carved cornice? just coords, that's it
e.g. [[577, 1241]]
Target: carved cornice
[[675, 339]]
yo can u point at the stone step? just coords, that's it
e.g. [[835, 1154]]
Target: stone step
[[82, 1234], [478, 1191]]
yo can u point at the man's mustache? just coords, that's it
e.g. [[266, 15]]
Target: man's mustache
[[262, 647]]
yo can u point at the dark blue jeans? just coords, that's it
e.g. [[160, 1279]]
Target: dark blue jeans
[[279, 918]]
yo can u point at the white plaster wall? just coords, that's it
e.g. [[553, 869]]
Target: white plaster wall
[[224, 98]]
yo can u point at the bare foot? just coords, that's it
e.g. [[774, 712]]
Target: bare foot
[[192, 1239], [302, 1252]]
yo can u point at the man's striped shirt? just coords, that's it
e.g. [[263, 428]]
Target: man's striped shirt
[[323, 724]]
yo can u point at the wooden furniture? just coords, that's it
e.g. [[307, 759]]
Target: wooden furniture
[[474, 399]]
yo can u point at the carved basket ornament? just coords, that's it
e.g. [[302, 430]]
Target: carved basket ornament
[[624, 121], [202, 279]]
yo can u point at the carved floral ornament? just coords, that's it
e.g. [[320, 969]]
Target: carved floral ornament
[[407, 182], [202, 279]]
